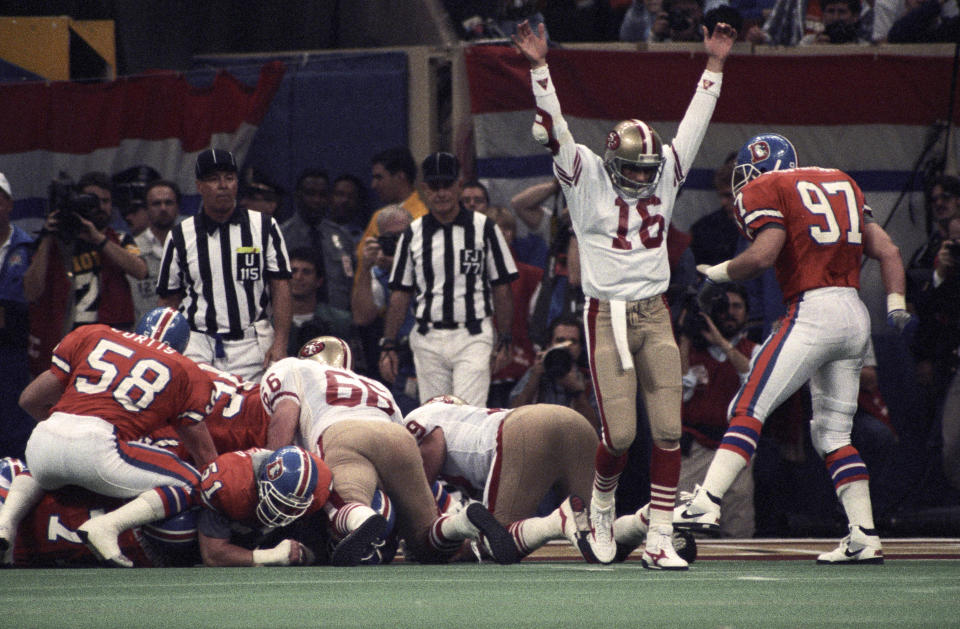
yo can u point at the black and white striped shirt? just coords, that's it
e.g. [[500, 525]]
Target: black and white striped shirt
[[452, 267], [223, 270]]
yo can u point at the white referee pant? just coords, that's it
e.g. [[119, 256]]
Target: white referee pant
[[453, 362], [243, 357]]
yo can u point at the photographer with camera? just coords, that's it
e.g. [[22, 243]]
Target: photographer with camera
[[79, 271], [557, 377], [371, 294], [678, 21], [714, 358]]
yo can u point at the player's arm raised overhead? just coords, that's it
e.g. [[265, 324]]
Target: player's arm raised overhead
[[549, 128], [693, 126]]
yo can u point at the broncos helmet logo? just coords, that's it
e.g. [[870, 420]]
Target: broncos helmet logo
[[759, 151]]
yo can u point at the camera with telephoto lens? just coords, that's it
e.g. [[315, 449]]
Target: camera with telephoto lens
[[841, 32], [388, 243], [71, 206], [710, 299], [557, 361]]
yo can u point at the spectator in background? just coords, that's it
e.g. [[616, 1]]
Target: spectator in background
[[371, 295], [524, 288], [789, 21], [259, 194], [310, 316], [162, 203], [227, 270], [678, 21], [79, 272], [535, 227], [935, 342], [394, 176], [457, 265], [129, 195], [840, 21], [926, 21], [315, 226], [16, 247], [715, 358], [638, 21], [349, 205], [562, 377], [474, 196]]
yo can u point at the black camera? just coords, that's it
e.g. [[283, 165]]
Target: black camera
[[557, 362], [71, 206], [710, 299], [388, 243], [841, 32]]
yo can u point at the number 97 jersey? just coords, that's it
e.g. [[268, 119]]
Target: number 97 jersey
[[822, 212], [325, 396]]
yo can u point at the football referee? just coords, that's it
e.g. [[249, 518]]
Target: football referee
[[456, 265], [226, 269]]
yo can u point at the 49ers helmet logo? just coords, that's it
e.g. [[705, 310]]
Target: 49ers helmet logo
[[613, 140], [312, 348], [759, 151], [274, 469]]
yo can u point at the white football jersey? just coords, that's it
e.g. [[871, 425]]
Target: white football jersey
[[471, 437], [326, 395], [623, 240]]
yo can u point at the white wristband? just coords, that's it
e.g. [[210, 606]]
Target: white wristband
[[716, 273], [279, 555], [542, 83], [896, 301]]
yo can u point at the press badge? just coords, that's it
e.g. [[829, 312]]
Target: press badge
[[248, 264]]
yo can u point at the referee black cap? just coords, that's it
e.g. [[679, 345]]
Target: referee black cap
[[440, 167], [215, 160]]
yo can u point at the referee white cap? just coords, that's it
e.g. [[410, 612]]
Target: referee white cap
[[215, 160]]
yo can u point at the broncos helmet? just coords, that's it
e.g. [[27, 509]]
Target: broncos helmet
[[286, 484], [167, 325], [633, 143], [328, 350], [762, 153], [172, 542]]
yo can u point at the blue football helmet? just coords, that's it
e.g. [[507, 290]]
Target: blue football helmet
[[167, 325], [9, 468], [286, 484], [172, 542], [762, 153]]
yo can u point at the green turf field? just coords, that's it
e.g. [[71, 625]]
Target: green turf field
[[533, 594]]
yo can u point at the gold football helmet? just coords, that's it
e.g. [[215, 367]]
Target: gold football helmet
[[328, 350], [633, 143]]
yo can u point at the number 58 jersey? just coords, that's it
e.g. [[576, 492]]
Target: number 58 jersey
[[822, 212], [134, 382], [325, 395]]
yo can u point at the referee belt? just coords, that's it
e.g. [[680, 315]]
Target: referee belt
[[424, 326], [247, 333]]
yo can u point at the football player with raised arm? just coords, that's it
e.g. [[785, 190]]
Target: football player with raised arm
[[510, 459], [621, 205], [813, 227], [353, 423], [104, 390]]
